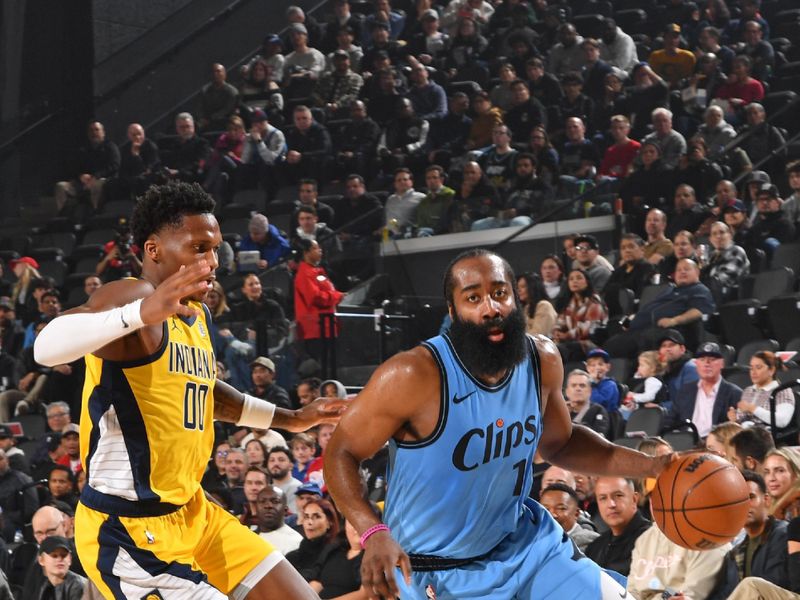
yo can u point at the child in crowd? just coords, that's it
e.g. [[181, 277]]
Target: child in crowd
[[647, 388], [303, 446], [604, 389]]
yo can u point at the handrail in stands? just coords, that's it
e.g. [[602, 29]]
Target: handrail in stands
[[33, 126]]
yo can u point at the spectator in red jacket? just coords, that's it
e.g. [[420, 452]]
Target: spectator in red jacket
[[314, 294]]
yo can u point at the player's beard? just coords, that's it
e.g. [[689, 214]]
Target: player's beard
[[482, 356]]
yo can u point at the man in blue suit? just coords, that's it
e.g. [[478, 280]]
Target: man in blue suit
[[706, 401]]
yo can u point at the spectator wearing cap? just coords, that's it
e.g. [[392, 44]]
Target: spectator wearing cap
[[338, 88], [589, 260], [605, 390], [23, 294], [751, 187], [16, 456], [70, 442], [680, 305], [303, 66], [761, 140], [271, 53], [279, 464], [680, 367], [430, 45], [272, 505], [266, 240], [55, 558], [771, 227], [18, 498], [218, 100], [672, 63], [726, 266], [404, 139], [617, 48], [264, 149], [309, 146], [262, 372], [342, 18], [706, 402], [578, 392], [573, 104], [735, 217], [306, 493], [46, 455]]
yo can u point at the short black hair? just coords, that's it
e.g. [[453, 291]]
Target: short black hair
[[561, 487], [279, 449], [449, 283], [755, 478], [64, 468], [165, 206], [305, 208], [754, 442]]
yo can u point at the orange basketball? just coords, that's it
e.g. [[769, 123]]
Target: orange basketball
[[700, 501]]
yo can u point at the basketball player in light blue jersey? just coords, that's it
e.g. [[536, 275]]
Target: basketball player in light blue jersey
[[464, 414]]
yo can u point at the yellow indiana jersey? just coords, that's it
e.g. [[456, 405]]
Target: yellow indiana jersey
[[147, 425]]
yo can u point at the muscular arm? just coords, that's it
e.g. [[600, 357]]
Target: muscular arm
[[228, 403], [576, 447], [392, 404]]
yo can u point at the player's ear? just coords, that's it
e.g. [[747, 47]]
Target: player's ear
[[151, 249]]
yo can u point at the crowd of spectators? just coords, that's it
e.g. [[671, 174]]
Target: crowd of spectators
[[428, 118]]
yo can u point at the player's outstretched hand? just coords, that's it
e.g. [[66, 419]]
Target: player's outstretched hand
[[321, 410], [165, 301], [381, 555]]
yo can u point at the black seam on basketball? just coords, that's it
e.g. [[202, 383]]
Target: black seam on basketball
[[672, 500], [661, 500], [703, 507], [715, 534], [699, 481]]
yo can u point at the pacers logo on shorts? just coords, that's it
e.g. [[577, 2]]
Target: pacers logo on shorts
[[430, 593], [153, 595]]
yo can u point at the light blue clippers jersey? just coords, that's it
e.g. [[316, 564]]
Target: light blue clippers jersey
[[459, 492]]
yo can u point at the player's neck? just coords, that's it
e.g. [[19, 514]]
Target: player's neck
[[493, 379]]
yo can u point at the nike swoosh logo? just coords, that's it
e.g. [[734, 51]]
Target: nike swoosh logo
[[124, 324], [457, 400]]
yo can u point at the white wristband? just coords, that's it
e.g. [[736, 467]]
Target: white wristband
[[256, 413], [69, 337]]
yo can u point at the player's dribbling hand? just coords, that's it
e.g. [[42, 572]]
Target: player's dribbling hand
[[381, 556], [165, 301]]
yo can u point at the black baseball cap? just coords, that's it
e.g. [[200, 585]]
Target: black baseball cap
[[708, 349], [53, 543], [673, 335]]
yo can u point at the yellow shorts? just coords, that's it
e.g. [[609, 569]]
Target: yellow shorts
[[199, 551]]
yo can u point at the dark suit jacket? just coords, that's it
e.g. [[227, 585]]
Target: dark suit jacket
[[596, 419], [728, 395]]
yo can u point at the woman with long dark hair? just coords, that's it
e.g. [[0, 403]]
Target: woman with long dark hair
[[540, 315], [320, 528], [584, 312]]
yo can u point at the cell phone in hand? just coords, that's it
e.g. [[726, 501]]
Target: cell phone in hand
[[669, 593]]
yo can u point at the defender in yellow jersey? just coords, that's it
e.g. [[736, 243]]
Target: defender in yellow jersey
[[144, 527]]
